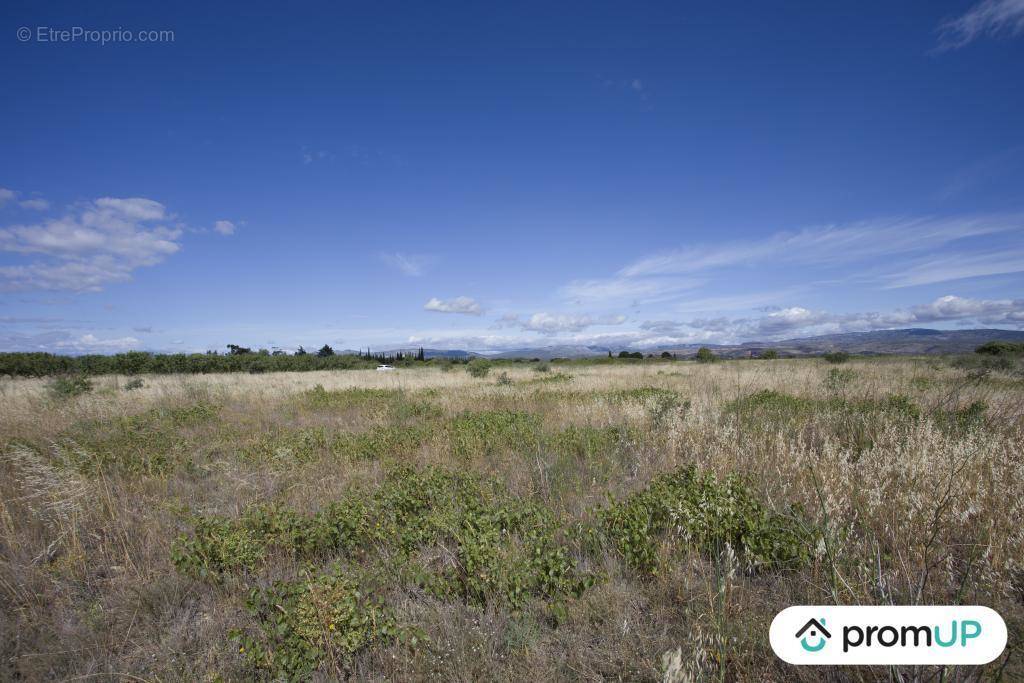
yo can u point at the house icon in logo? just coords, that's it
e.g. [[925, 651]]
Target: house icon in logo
[[816, 630]]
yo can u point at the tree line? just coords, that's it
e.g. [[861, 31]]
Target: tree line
[[237, 359]]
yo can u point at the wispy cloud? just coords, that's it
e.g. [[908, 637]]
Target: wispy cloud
[[556, 323], [830, 244], [224, 227], [800, 321], [34, 204], [94, 244], [957, 267], [310, 156], [463, 305], [625, 289], [988, 18], [90, 342], [413, 265]]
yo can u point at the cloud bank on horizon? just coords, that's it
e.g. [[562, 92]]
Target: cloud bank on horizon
[[688, 188]]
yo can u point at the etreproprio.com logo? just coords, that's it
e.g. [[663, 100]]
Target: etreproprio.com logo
[[833, 635]]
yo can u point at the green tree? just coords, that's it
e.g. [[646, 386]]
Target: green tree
[[769, 354], [704, 355], [325, 351]]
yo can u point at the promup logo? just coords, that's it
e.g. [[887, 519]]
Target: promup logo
[[888, 635], [817, 630]]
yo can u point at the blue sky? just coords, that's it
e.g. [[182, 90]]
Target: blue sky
[[489, 176]]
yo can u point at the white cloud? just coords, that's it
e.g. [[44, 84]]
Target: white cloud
[[35, 204], [94, 244], [6, 195], [548, 323], [958, 267], [88, 343], [799, 321], [785, 323], [829, 244], [460, 304], [412, 265], [224, 227], [624, 289], [991, 17]]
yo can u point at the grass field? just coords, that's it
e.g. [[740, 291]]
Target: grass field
[[615, 522]]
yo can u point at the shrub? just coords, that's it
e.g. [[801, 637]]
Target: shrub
[[504, 380], [69, 387], [836, 357], [133, 384], [1000, 348], [505, 547], [708, 514], [838, 379], [769, 354], [487, 432], [301, 624], [542, 367], [478, 367], [704, 355]]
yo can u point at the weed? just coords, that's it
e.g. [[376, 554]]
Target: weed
[[707, 514], [838, 379], [478, 367], [69, 387], [304, 623]]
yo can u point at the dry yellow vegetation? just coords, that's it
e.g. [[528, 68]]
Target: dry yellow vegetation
[[619, 521]]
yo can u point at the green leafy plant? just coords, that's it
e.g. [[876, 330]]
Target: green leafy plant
[[69, 387], [478, 367], [705, 513], [704, 355], [302, 624], [838, 379]]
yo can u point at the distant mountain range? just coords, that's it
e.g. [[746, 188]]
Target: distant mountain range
[[915, 341]]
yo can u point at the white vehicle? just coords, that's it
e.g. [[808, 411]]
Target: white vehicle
[[385, 368]]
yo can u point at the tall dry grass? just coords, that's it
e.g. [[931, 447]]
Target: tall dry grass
[[915, 500]]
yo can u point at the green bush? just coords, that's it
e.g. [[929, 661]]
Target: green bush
[[836, 357], [1000, 348], [69, 387], [134, 383], [769, 354], [507, 548], [478, 367], [301, 624], [838, 379], [707, 514], [704, 355], [504, 380], [491, 431], [542, 367]]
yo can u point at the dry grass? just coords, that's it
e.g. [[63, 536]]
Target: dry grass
[[917, 500]]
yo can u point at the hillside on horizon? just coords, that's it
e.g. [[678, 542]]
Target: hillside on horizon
[[910, 341]]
